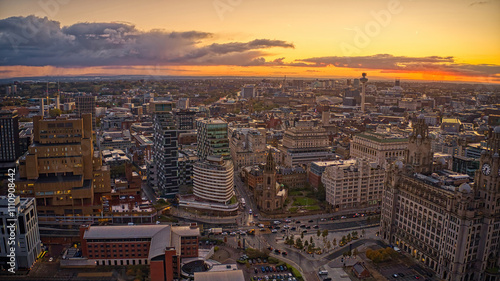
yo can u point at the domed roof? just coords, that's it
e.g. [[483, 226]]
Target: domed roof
[[419, 136], [497, 130], [464, 187]]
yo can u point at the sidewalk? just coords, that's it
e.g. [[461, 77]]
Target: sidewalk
[[175, 212]]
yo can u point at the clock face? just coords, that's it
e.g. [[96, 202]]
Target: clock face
[[486, 169]]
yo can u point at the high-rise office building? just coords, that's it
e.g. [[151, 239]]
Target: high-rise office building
[[86, 104], [212, 138], [214, 180], [62, 171], [26, 233], [303, 145], [165, 149], [9, 140], [381, 148], [248, 91], [435, 216]]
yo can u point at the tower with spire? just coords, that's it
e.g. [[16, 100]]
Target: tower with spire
[[269, 195], [419, 154]]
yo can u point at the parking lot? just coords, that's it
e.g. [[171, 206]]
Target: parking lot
[[404, 273]]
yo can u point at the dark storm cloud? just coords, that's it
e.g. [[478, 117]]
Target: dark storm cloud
[[36, 41], [392, 64]]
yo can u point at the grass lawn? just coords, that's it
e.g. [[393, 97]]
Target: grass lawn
[[304, 201], [293, 210], [312, 208], [294, 193]]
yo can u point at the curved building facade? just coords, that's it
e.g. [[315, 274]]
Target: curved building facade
[[214, 180]]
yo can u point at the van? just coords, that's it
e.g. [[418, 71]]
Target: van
[[323, 272], [397, 249], [130, 223]]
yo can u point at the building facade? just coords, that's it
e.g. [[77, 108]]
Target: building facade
[[86, 104], [442, 221], [303, 145], [9, 141], [62, 171], [353, 184], [212, 138], [214, 180], [165, 150], [27, 236], [160, 246], [248, 147], [379, 148]]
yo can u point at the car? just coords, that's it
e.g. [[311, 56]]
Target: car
[[250, 211], [302, 226], [304, 231], [286, 226], [274, 231], [401, 275], [259, 260], [316, 226], [232, 233], [416, 277], [308, 227], [261, 225], [288, 220], [284, 253], [256, 270], [286, 268], [394, 275], [277, 251], [311, 220], [293, 228], [277, 227], [343, 217], [297, 221], [51, 259], [262, 229], [270, 248], [263, 269], [250, 261], [264, 260], [224, 233], [255, 215], [323, 219]]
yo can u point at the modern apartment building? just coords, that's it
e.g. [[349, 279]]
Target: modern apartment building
[[9, 140], [353, 184], [212, 138], [86, 103], [380, 148], [214, 180], [27, 236], [165, 149], [436, 216]]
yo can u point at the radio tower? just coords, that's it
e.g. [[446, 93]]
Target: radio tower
[[363, 81]]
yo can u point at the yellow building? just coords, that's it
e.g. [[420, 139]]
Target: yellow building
[[61, 169]]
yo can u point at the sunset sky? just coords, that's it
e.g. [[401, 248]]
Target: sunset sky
[[410, 39]]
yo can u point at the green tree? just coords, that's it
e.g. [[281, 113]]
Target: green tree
[[325, 233], [318, 233], [298, 243], [328, 245], [348, 237], [355, 252], [302, 235], [306, 243], [363, 233], [321, 194], [311, 240], [334, 242], [55, 112]]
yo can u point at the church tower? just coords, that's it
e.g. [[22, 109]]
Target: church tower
[[419, 154]]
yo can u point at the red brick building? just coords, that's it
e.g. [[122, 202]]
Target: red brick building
[[160, 246]]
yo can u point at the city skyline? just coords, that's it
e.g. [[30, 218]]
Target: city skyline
[[411, 40]]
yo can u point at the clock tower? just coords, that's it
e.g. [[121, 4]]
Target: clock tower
[[487, 196]]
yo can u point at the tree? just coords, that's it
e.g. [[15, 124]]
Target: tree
[[348, 237], [334, 242], [321, 194], [355, 252], [311, 240], [344, 240], [363, 233], [318, 233], [302, 235], [328, 245], [55, 112], [298, 243], [325, 233], [306, 243]]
